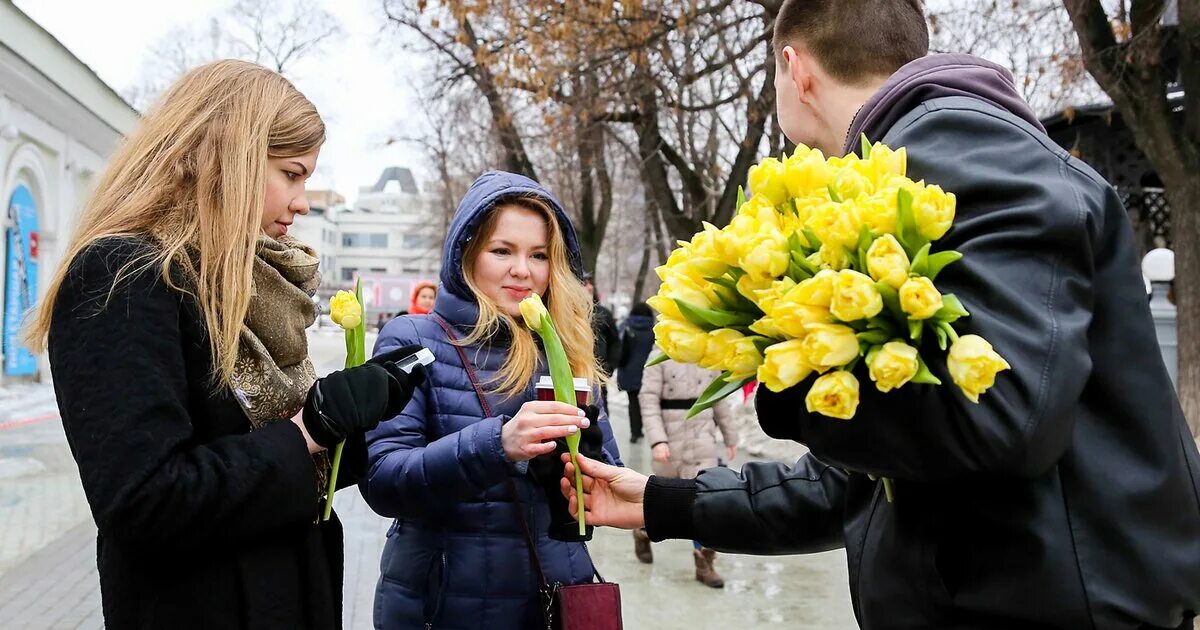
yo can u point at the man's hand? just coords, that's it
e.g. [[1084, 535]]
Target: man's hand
[[612, 495]]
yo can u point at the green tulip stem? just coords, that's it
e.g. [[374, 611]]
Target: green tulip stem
[[564, 391], [356, 355]]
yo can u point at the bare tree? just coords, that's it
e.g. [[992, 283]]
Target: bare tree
[[277, 35], [1146, 56], [1032, 38]]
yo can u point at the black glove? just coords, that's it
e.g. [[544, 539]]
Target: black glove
[[358, 398], [548, 469], [779, 413]]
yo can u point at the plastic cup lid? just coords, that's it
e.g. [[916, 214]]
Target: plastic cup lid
[[545, 382]]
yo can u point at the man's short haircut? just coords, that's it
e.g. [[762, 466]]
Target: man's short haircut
[[855, 40]]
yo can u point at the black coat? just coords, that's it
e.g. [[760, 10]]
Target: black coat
[[637, 341], [1067, 497], [202, 523], [608, 342]]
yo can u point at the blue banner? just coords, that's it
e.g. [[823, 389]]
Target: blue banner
[[20, 286]]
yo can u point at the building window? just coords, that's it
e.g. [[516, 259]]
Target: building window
[[417, 241], [378, 269], [358, 239], [348, 273]]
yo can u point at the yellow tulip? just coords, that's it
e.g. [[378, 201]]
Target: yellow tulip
[[894, 365], [884, 162], [815, 291], [681, 341], [880, 211], [768, 255], [850, 184], [973, 365], [836, 224], [887, 262], [766, 327], [533, 311], [666, 306], [830, 257], [854, 297], [829, 345], [766, 178], [806, 172], [345, 311], [793, 319], [933, 209], [919, 298], [718, 347], [834, 395], [783, 366], [742, 358], [756, 289]]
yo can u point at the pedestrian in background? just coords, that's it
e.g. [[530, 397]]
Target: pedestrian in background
[[608, 342], [176, 332], [680, 446], [637, 341], [424, 294]]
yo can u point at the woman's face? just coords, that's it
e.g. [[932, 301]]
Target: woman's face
[[285, 197], [515, 259], [425, 298]]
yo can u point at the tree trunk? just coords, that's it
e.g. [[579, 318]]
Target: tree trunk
[[1185, 239], [1133, 74], [639, 285]]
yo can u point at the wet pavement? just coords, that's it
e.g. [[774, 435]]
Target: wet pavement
[[47, 550]]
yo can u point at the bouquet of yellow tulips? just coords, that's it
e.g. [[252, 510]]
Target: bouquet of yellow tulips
[[830, 262]]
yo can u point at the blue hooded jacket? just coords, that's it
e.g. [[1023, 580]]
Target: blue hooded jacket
[[455, 556]]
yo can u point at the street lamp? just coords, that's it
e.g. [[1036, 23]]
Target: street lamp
[[1158, 266]]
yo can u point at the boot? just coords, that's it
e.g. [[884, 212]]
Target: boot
[[705, 572], [641, 546]]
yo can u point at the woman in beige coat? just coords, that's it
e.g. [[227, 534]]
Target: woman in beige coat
[[683, 447]]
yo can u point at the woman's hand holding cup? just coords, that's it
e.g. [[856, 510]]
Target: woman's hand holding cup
[[535, 427]]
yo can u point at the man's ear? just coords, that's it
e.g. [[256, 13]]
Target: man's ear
[[798, 65]]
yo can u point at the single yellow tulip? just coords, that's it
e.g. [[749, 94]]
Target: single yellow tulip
[[887, 262], [533, 311], [783, 366], [681, 341], [854, 297], [829, 345], [834, 394], [894, 365], [919, 298], [345, 311], [973, 365]]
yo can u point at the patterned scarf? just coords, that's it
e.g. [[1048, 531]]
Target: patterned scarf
[[272, 374]]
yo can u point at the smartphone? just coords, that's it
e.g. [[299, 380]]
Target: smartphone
[[420, 357]]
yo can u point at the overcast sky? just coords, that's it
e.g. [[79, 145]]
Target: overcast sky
[[360, 85]]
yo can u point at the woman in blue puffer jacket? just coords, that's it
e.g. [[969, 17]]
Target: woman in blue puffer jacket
[[456, 556]]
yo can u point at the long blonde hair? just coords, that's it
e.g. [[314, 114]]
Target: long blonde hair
[[568, 302], [191, 179]]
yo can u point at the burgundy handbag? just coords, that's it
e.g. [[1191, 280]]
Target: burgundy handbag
[[594, 606]]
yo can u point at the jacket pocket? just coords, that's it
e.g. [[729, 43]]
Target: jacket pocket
[[435, 588]]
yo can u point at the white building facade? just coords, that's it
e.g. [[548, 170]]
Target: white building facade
[[58, 124]]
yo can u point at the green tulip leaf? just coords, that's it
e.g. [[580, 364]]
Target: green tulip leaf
[[938, 261]]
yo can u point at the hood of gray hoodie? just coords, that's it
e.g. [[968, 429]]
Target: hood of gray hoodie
[[936, 76]]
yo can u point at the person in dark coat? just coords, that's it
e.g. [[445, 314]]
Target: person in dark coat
[[1069, 496], [608, 339], [637, 340], [176, 332], [445, 469]]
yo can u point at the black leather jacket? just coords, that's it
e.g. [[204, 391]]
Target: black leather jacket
[[1067, 498]]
